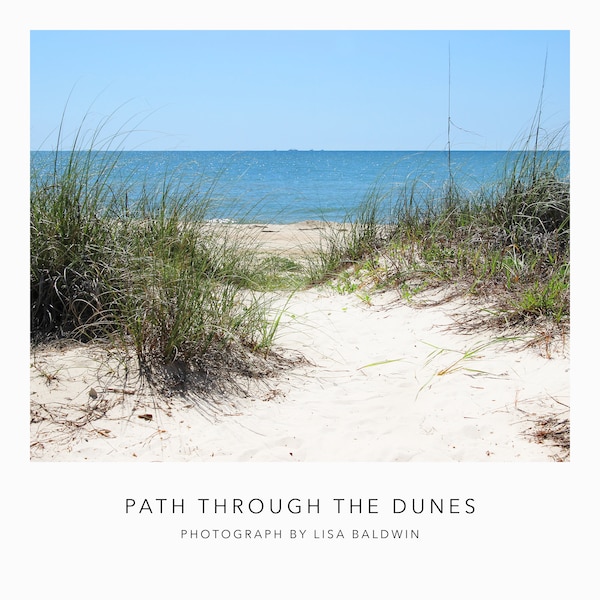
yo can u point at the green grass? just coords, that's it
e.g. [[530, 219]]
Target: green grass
[[506, 243], [151, 275]]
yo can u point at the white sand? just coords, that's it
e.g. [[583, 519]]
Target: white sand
[[370, 391]]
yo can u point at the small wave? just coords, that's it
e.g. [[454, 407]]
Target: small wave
[[220, 221]]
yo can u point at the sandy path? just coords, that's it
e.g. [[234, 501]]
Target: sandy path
[[370, 391]]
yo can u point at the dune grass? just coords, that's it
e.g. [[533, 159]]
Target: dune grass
[[149, 274], [507, 243]]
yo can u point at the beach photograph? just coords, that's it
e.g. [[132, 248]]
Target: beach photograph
[[296, 246], [301, 320]]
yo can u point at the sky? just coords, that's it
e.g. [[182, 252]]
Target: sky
[[300, 89]]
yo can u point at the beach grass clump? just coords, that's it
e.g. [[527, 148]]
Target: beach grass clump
[[146, 272], [347, 244], [507, 243], [72, 247]]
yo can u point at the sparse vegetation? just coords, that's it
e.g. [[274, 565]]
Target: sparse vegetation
[[507, 244]]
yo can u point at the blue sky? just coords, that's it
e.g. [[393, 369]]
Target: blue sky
[[315, 89]]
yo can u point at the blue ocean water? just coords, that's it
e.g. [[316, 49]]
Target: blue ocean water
[[292, 186]]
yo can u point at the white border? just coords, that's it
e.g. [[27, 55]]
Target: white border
[[65, 528]]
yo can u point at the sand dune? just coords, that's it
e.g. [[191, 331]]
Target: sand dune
[[384, 381]]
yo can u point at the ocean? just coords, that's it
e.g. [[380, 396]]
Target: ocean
[[292, 186]]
